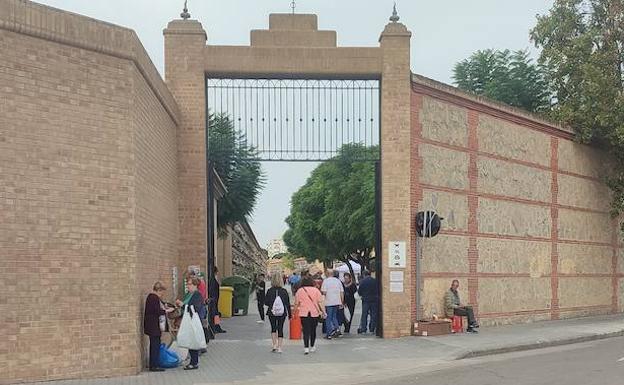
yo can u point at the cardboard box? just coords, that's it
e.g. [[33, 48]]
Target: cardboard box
[[432, 328]]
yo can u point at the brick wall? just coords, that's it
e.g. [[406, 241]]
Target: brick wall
[[156, 192], [527, 229], [87, 169]]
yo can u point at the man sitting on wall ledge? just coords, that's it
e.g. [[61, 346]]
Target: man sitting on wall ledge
[[454, 307]]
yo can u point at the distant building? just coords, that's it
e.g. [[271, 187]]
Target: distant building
[[275, 247]]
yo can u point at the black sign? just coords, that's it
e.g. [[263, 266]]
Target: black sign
[[428, 224]]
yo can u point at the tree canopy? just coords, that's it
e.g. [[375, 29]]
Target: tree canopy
[[506, 76], [332, 216], [240, 171], [582, 50]]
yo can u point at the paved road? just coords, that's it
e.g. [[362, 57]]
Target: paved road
[[594, 363]]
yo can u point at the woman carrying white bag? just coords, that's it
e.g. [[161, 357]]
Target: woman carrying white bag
[[191, 333]]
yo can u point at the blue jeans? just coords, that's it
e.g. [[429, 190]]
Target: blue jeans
[[368, 308], [331, 323]]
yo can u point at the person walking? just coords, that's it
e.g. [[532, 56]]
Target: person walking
[[350, 288], [370, 296], [194, 299], [154, 323], [214, 288], [260, 296], [309, 305], [333, 291], [278, 303], [294, 281]]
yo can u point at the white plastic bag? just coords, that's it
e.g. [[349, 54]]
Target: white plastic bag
[[181, 352], [191, 333], [347, 314]]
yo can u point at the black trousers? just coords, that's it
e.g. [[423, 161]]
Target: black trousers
[[154, 357], [260, 300], [466, 311], [308, 324], [277, 325], [351, 306], [194, 357]]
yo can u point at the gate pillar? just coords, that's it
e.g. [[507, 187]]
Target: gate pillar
[[396, 221], [185, 42]]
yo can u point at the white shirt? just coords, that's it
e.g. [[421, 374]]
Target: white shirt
[[332, 287]]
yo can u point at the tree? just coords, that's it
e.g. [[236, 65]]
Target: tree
[[509, 77], [237, 165], [332, 216], [288, 260], [582, 49]]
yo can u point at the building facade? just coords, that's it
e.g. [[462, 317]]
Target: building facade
[[103, 186]]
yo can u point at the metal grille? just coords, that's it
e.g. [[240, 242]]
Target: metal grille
[[299, 119]]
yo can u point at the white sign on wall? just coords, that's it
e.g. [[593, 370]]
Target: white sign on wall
[[397, 251], [396, 276], [396, 287]]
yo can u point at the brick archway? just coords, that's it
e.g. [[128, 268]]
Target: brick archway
[[293, 47]]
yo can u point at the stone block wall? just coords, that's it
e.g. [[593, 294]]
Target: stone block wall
[[87, 175], [527, 229]]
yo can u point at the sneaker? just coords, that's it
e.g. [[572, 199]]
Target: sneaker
[[329, 337], [156, 369], [260, 321], [273, 350], [306, 351], [313, 349], [474, 326], [471, 330], [279, 350], [191, 367]]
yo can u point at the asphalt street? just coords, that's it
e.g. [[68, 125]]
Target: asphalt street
[[593, 363]]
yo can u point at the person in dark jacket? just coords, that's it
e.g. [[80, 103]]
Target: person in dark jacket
[[260, 295], [213, 300], [350, 288], [154, 323], [277, 320], [369, 292], [195, 300]]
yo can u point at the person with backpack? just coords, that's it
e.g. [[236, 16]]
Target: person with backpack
[[278, 303]]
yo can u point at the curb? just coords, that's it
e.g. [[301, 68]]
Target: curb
[[539, 345]]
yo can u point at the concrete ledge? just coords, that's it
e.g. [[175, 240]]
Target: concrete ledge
[[538, 335], [539, 345]]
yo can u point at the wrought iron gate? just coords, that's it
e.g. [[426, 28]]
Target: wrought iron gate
[[298, 119]]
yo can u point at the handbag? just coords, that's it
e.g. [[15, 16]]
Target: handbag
[[321, 317], [191, 334]]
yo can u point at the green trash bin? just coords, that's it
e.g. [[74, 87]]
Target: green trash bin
[[242, 289]]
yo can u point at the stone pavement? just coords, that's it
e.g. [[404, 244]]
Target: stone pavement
[[241, 356]]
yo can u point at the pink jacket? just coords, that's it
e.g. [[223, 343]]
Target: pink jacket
[[308, 299]]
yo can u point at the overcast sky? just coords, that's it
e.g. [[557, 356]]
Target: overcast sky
[[444, 32]]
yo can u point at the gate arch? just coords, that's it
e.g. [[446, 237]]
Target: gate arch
[[293, 48]]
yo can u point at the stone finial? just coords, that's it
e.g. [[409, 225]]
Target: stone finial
[[185, 13], [395, 16]]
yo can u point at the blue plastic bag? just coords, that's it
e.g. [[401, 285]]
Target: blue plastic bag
[[168, 358]]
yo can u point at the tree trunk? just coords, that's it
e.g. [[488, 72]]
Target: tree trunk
[[351, 270]]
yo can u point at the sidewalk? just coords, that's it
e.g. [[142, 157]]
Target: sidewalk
[[241, 356]]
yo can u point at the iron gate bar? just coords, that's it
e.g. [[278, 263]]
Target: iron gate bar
[[299, 119]]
